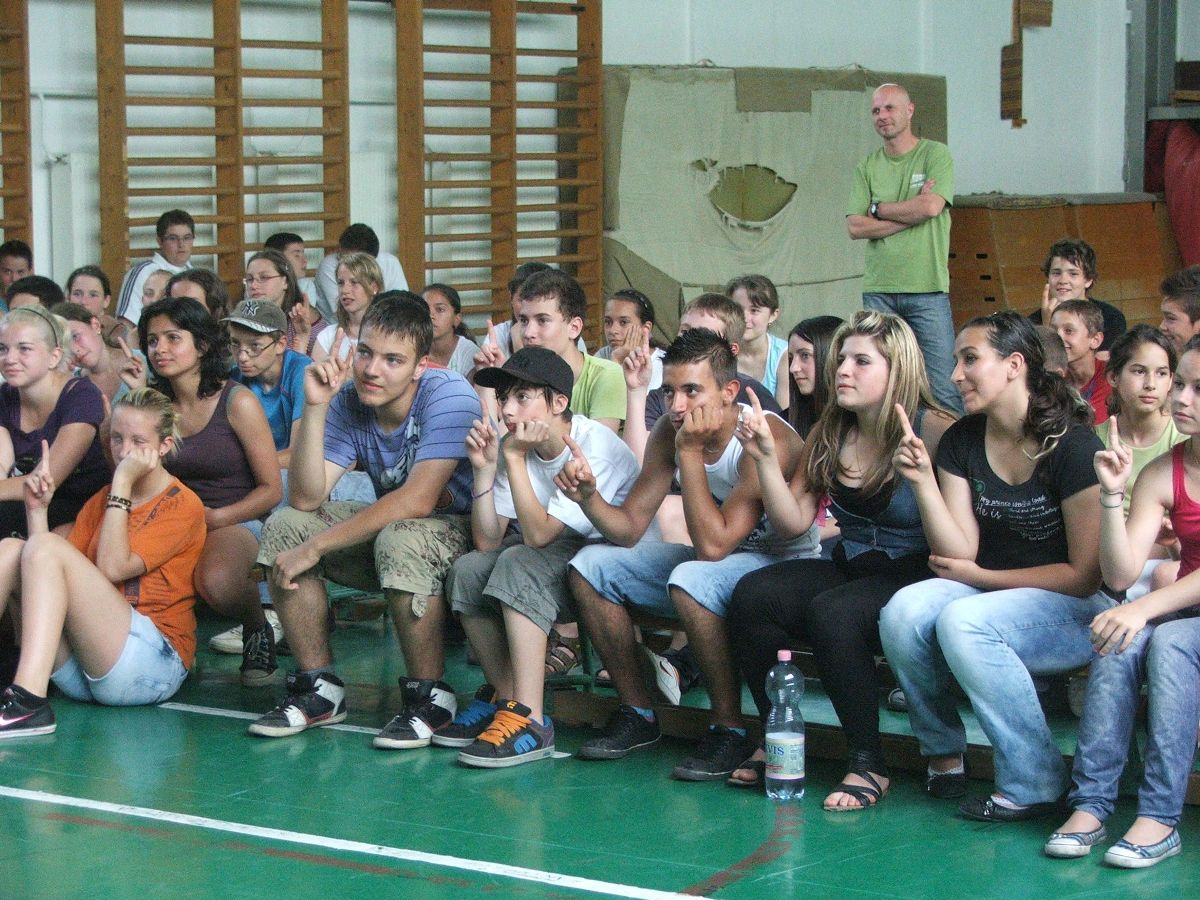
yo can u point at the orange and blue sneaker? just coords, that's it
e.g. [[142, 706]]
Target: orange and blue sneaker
[[471, 722], [511, 739]]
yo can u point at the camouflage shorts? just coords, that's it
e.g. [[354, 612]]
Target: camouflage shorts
[[409, 555]]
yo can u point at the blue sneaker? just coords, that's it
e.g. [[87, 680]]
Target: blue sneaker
[[471, 722], [512, 738]]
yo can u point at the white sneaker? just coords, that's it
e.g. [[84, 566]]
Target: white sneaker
[[231, 641], [666, 676]]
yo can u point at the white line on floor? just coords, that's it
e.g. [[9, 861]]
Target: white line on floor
[[474, 866], [238, 714]]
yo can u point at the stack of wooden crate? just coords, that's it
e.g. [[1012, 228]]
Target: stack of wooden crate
[[998, 244]]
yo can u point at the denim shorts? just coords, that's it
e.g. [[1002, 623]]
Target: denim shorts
[[148, 671], [642, 575]]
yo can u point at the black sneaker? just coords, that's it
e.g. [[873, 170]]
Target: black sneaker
[[311, 701], [625, 731], [719, 753], [21, 715], [511, 739], [429, 706], [258, 656], [471, 722]]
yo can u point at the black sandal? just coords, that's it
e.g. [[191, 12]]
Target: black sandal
[[862, 763], [758, 767]]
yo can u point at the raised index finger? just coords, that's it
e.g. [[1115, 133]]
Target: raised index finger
[[124, 347], [905, 424], [754, 404], [1114, 435], [492, 336], [576, 452]]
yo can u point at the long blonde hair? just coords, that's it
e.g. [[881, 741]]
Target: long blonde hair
[[366, 272], [907, 385]]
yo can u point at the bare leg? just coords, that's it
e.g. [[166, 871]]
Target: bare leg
[[487, 637], [223, 576], [1146, 831], [611, 631], [709, 640], [303, 613], [1081, 822], [64, 596], [10, 570], [527, 651], [420, 638]]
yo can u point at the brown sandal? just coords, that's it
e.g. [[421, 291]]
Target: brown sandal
[[563, 654]]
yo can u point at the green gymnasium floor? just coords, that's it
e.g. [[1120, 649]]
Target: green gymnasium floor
[[178, 801]]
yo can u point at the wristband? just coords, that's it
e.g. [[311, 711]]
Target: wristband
[[1121, 492], [483, 493]]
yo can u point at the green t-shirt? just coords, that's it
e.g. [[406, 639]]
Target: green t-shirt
[[912, 261], [1142, 455], [599, 390]]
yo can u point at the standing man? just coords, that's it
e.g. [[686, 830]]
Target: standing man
[[899, 205]]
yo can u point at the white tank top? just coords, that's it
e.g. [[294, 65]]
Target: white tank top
[[723, 475]]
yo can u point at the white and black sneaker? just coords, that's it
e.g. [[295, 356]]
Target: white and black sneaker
[[311, 701], [429, 706]]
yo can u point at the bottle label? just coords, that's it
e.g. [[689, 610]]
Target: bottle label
[[785, 756]]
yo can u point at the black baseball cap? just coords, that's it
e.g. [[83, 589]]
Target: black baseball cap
[[534, 365]]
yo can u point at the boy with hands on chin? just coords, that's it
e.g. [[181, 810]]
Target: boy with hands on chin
[[510, 589]]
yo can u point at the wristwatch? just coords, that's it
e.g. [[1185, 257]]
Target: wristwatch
[[873, 209]]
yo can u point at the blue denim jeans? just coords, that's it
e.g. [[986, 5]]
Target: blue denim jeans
[[928, 315], [993, 643], [1169, 656]]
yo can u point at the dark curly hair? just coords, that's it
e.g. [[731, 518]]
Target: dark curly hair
[[190, 316], [1054, 405]]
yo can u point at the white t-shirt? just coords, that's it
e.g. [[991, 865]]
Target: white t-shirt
[[656, 358], [462, 360], [613, 464], [129, 301], [325, 340], [327, 289]]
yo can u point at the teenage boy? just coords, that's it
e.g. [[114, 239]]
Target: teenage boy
[[175, 232], [16, 262], [357, 238], [509, 590], [1079, 323], [1181, 306], [719, 314], [722, 505], [1070, 270], [405, 425]]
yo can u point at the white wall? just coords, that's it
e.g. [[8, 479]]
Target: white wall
[[1074, 81], [1074, 71], [1187, 33]]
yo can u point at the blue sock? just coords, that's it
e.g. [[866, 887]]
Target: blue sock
[[740, 732], [647, 714]]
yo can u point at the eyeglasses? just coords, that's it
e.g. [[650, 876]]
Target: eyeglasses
[[178, 238], [251, 280], [250, 351]]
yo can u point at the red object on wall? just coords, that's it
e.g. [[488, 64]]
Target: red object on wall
[[1181, 172]]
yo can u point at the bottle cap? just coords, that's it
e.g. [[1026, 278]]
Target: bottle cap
[[784, 656]]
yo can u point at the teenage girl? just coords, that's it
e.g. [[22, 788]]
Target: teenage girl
[[107, 613], [452, 343], [358, 281], [629, 326], [1014, 535], [227, 457], [761, 355], [808, 390], [833, 605], [270, 277], [1156, 637]]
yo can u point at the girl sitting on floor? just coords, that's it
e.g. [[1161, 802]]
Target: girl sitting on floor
[[106, 613], [1156, 636]]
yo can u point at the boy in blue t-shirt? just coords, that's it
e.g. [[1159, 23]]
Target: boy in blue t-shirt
[[406, 426], [263, 363]]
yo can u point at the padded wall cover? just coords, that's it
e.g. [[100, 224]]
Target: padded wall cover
[[710, 173]]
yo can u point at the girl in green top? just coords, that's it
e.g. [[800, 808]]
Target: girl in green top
[[1139, 367]]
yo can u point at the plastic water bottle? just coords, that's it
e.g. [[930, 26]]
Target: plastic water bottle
[[785, 730]]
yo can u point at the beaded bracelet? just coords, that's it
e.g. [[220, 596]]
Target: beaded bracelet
[[115, 502]]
